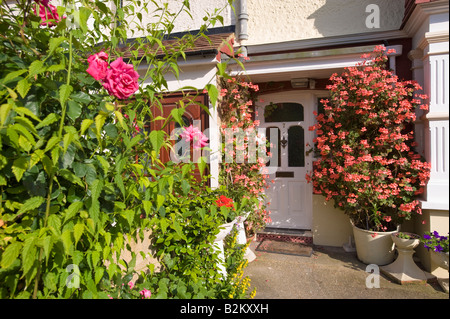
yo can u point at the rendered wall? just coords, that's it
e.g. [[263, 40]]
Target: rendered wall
[[184, 21], [286, 20], [331, 227]]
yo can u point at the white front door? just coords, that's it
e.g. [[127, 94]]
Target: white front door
[[286, 118]]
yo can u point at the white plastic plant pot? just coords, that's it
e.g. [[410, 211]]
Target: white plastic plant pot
[[218, 246], [242, 238]]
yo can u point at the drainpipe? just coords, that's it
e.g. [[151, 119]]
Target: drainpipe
[[242, 24]]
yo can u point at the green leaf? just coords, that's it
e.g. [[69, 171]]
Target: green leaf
[[177, 114], [104, 164], [73, 110], [64, 93], [99, 271], [68, 175], [4, 112], [159, 201], [49, 119], [157, 140], [147, 206], [54, 140], [96, 189], [23, 86], [19, 167], [129, 216], [85, 125], [78, 232], [28, 253], [221, 69], [72, 210], [83, 17], [201, 165], [56, 67], [30, 204], [25, 144], [99, 122], [212, 92], [119, 182], [27, 124], [119, 117], [55, 43], [12, 75], [10, 254], [163, 223], [36, 67], [24, 111], [47, 245], [66, 238]]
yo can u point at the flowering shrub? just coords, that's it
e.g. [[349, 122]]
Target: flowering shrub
[[72, 188], [435, 242], [243, 174], [367, 163]]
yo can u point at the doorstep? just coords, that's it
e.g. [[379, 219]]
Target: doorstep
[[284, 234]]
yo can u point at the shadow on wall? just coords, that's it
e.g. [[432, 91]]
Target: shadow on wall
[[339, 17]]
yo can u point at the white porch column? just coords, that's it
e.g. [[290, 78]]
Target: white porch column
[[436, 133]]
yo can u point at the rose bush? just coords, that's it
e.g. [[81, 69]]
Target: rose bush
[[365, 146], [79, 171]]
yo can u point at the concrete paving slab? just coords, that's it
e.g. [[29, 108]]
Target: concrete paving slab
[[330, 273]]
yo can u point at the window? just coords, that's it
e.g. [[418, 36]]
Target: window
[[276, 143], [283, 112], [296, 146]]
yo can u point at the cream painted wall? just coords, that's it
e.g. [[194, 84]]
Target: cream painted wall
[[331, 227], [286, 20], [185, 22]]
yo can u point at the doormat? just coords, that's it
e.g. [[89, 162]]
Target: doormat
[[284, 247], [286, 238]]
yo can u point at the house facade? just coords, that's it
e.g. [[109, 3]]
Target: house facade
[[293, 47]]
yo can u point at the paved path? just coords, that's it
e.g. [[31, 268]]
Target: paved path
[[330, 273]]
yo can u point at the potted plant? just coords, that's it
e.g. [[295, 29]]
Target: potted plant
[[438, 247], [366, 161]]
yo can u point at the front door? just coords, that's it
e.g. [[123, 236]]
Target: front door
[[286, 118]]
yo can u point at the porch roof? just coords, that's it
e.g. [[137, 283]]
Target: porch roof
[[212, 44]]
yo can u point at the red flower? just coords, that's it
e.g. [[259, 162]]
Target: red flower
[[224, 201]]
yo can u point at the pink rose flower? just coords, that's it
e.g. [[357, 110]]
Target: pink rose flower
[[43, 2], [145, 293], [47, 13], [194, 134], [98, 65], [121, 79]]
